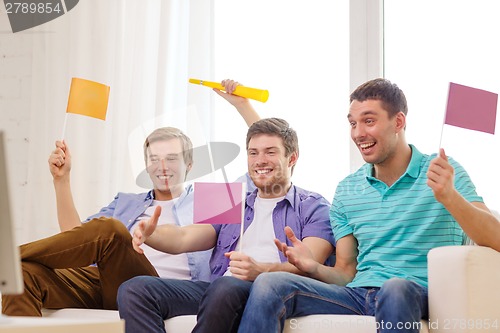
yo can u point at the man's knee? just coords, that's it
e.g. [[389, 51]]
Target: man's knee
[[269, 285], [225, 283], [398, 290], [34, 274], [137, 286], [105, 227], [29, 303], [269, 280], [228, 289]]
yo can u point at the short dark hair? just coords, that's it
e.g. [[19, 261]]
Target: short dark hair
[[167, 133], [389, 94], [277, 127]]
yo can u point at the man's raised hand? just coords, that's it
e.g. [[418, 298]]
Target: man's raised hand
[[144, 229]]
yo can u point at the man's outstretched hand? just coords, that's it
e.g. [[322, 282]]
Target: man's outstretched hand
[[298, 254], [144, 229]]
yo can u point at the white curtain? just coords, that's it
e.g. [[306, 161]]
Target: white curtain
[[145, 51]]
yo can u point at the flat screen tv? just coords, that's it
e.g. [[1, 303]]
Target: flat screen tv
[[11, 281]]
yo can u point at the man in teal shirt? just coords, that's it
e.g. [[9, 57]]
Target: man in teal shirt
[[385, 217]]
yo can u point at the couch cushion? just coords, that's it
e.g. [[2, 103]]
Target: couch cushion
[[463, 289], [180, 324], [307, 324], [80, 313]]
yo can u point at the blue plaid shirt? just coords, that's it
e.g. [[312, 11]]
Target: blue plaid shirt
[[127, 207]]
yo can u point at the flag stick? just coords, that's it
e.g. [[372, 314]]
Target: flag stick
[[243, 201], [210, 156], [441, 137], [227, 186], [64, 126], [444, 118]]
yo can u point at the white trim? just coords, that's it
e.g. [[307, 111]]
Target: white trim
[[366, 48]]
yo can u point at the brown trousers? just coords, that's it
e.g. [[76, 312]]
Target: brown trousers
[[57, 274]]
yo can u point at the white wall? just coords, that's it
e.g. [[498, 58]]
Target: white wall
[[15, 99]]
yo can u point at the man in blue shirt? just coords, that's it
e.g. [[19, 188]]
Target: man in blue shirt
[[385, 217], [58, 271], [276, 207]]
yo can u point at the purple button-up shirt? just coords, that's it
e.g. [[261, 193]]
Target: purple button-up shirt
[[307, 213]]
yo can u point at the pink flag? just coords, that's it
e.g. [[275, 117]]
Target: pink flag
[[471, 108], [218, 203]]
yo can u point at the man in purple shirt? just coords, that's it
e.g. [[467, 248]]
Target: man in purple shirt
[[272, 211]]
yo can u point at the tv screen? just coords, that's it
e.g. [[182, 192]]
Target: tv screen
[[11, 281]]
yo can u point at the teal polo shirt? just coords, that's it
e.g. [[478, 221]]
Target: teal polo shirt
[[396, 226]]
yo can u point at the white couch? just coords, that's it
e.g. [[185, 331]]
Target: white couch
[[464, 296]]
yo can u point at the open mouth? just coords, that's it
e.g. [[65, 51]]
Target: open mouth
[[366, 146], [263, 171]]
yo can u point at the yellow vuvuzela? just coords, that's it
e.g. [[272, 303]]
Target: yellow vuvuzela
[[247, 92]]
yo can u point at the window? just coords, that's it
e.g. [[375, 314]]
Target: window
[[299, 51], [440, 42]]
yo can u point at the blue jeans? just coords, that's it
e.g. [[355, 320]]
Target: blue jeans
[[222, 306], [145, 301], [397, 306]]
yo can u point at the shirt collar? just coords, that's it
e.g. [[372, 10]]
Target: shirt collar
[[188, 189], [290, 197], [413, 169]]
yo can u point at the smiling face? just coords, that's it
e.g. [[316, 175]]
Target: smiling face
[[377, 135], [166, 168], [268, 166]]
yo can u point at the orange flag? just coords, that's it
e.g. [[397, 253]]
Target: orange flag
[[88, 98]]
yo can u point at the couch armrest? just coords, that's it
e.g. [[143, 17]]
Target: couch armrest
[[464, 291]]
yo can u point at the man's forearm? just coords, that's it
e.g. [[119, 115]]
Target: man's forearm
[[476, 221], [166, 238], [247, 112], [174, 239], [67, 215], [280, 267], [331, 275]]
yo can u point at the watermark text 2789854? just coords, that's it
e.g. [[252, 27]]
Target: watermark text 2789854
[[32, 8], [26, 14]]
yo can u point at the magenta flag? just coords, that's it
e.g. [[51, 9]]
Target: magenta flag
[[218, 203], [471, 108]]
